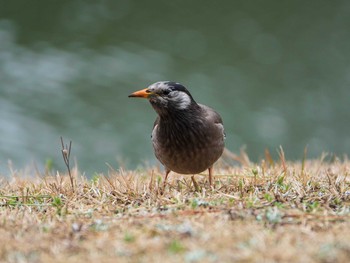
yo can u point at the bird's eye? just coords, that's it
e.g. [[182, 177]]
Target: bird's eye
[[166, 92]]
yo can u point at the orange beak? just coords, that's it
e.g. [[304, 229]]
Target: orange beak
[[145, 93]]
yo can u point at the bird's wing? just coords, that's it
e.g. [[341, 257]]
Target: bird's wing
[[213, 117], [154, 127]]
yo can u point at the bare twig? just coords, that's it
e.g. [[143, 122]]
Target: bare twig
[[66, 154]]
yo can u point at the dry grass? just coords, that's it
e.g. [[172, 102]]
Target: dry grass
[[267, 212]]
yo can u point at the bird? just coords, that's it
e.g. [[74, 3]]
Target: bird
[[187, 137]]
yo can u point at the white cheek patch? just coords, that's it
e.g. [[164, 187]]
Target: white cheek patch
[[181, 100]]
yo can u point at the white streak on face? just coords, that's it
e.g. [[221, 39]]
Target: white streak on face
[[180, 99], [159, 85]]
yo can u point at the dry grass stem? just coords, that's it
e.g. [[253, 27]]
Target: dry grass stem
[[66, 155]]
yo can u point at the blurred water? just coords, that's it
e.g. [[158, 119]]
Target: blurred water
[[278, 72]]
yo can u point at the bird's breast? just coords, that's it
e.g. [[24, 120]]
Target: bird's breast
[[187, 148]]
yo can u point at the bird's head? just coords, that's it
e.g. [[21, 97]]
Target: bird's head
[[166, 97]]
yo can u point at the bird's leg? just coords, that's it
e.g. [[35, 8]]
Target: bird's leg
[[210, 169], [195, 184], [164, 183], [166, 176]]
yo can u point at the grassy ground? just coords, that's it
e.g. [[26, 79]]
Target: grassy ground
[[268, 212]]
